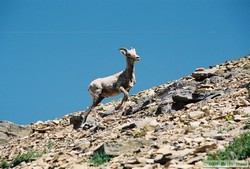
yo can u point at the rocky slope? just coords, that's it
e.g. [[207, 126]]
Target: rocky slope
[[9, 131], [174, 125]]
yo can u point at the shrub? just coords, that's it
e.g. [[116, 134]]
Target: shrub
[[99, 158], [26, 157], [4, 164], [238, 149]]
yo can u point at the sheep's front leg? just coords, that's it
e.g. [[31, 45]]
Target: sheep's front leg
[[125, 97]]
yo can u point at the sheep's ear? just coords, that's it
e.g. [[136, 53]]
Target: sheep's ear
[[123, 51]]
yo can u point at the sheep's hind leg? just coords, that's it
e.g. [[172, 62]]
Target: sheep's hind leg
[[96, 101]]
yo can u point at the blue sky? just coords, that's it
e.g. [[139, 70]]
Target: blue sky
[[50, 50]]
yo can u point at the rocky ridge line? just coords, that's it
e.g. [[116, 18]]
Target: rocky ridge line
[[174, 125]]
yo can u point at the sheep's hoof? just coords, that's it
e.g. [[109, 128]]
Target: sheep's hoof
[[81, 127], [85, 126], [118, 107]]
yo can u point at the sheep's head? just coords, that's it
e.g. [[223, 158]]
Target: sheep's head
[[130, 54]]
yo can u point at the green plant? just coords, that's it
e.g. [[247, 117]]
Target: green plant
[[238, 149], [140, 132], [4, 164], [51, 145], [229, 117], [246, 125], [26, 157], [99, 158]]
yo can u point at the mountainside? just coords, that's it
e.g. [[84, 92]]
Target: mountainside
[[174, 125]]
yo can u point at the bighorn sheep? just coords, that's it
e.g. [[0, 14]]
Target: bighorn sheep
[[115, 84]]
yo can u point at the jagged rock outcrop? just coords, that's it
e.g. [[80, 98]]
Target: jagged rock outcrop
[[10, 131], [174, 125]]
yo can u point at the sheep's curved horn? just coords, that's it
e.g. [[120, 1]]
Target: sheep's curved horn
[[123, 50]]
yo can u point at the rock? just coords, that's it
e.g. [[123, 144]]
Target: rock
[[165, 150], [107, 113], [133, 161], [246, 125], [76, 121], [80, 166], [195, 124], [144, 122], [194, 160], [116, 149], [199, 164], [154, 122], [81, 145], [160, 110], [162, 159], [231, 75], [180, 154], [221, 136], [182, 166], [9, 131], [205, 108], [108, 108], [214, 94], [200, 69], [176, 96], [201, 74], [206, 147], [128, 126], [182, 96], [246, 110], [198, 139], [180, 86], [188, 140], [216, 80], [196, 114], [238, 118], [150, 161]]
